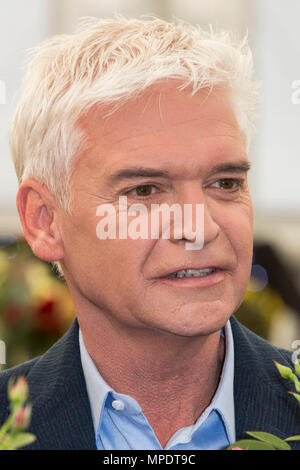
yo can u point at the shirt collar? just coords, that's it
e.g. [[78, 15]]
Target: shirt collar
[[96, 386], [223, 400]]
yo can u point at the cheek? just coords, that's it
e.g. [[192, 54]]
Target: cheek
[[242, 241], [126, 257], [121, 258], [238, 228], [118, 263]]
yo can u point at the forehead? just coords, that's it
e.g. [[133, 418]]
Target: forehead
[[162, 126], [164, 105]]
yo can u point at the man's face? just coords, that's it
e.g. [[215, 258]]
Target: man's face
[[191, 151]]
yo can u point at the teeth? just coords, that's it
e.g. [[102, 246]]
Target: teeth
[[193, 272]]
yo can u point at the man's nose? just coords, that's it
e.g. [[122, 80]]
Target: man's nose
[[197, 217]]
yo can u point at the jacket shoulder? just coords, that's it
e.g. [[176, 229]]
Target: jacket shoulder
[[16, 371], [12, 373], [255, 357], [251, 348], [262, 398]]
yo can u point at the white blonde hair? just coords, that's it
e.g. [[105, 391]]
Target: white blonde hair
[[109, 61]]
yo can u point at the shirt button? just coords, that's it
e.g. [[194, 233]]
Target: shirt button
[[118, 405]]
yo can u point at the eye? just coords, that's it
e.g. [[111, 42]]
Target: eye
[[228, 184], [144, 190]]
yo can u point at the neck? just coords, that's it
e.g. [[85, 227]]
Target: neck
[[155, 367]]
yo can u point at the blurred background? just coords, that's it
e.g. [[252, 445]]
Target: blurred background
[[35, 306]]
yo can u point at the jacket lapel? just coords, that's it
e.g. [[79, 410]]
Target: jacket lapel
[[61, 410], [262, 401]]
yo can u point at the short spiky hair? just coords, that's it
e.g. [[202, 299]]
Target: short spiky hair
[[109, 61]]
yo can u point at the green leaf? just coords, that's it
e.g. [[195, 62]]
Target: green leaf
[[5, 427], [297, 369], [270, 439], [293, 438], [22, 439], [4, 442], [251, 444], [284, 371], [296, 395], [297, 384]]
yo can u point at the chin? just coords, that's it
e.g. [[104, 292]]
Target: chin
[[200, 320]]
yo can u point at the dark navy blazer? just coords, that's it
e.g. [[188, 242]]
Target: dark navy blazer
[[61, 415]]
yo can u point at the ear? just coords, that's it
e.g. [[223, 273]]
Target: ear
[[38, 211]]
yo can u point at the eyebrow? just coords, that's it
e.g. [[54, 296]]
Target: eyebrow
[[144, 172], [232, 167], [138, 172]]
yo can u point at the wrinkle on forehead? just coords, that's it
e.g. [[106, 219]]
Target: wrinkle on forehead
[[163, 98], [163, 118]]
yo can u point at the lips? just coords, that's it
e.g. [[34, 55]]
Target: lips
[[188, 273], [208, 278], [181, 269]]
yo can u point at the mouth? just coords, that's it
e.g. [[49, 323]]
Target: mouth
[[193, 277], [188, 273]]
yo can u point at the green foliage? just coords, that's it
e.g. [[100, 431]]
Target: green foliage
[[265, 440], [250, 444], [12, 435], [287, 373], [293, 438], [270, 439]]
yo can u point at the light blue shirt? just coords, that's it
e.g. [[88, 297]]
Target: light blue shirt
[[120, 424]]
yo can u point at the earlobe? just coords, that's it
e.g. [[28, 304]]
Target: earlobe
[[36, 207]]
